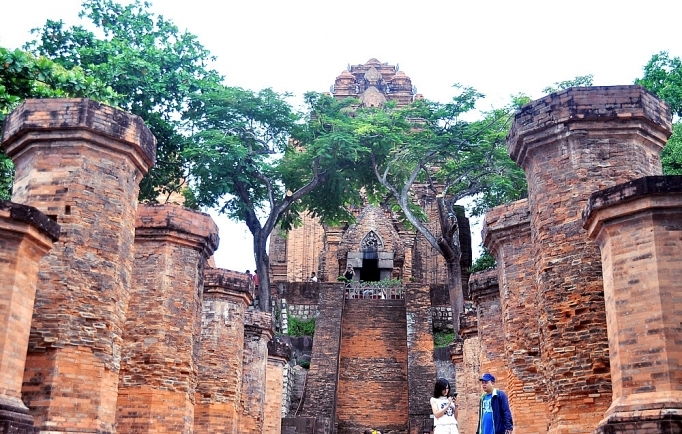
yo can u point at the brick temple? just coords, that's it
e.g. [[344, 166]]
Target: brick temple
[[114, 320]]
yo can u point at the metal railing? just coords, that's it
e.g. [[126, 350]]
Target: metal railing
[[372, 290]]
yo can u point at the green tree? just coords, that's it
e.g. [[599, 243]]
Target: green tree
[[428, 143], [580, 80], [254, 159], [23, 75], [663, 77], [153, 66]]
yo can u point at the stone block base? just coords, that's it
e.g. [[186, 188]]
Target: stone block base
[[144, 409], [659, 421], [16, 421]]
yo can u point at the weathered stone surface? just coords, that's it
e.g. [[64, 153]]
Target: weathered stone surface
[[638, 227], [373, 366], [321, 390], [257, 334], [485, 293], [26, 235], [219, 384], [279, 354], [421, 369], [158, 360], [506, 233], [570, 144], [80, 163]]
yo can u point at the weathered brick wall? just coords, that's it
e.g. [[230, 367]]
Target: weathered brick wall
[[219, 383], [506, 233], [570, 144], [321, 390], [26, 235], [466, 357], [637, 226], [279, 354], [373, 368], [485, 293], [301, 293], [304, 245], [79, 162], [257, 334], [421, 369], [163, 326]]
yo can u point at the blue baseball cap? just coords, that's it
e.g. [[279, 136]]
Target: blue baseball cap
[[487, 377]]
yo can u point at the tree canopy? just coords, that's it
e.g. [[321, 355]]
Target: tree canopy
[[24, 75], [663, 76], [254, 159], [153, 67]]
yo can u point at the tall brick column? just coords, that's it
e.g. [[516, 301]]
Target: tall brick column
[[421, 372], [570, 144], [163, 327], [279, 354], [465, 354], [26, 235], [485, 292], [506, 233], [257, 334], [638, 227], [79, 162], [219, 386]]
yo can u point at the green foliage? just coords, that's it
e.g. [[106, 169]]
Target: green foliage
[[442, 339], [303, 363], [663, 77], [299, 327], [153, 66], [581, 80], [671, 157], [484, 262], [24, 75]]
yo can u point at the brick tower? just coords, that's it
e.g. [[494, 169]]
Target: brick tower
[[81, 163], [570, 144]]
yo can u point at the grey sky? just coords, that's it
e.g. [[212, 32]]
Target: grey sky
[[499, 47]]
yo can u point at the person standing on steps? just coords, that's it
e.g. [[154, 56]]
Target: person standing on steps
[[494, 415], [445, 409]]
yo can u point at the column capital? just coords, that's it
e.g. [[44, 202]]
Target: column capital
[[484, 284], [505, 221], [227, 284], [64, 119], [615, 110], [178, 225], [631, 198]]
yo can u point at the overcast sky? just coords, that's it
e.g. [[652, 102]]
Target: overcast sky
[[500, 47]]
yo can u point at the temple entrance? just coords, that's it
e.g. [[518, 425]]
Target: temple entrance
[[370, 270]]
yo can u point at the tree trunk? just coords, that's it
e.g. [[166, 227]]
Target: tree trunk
[[260, 239], [456, 294]]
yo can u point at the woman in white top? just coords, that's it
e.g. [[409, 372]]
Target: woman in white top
[[444, 409]]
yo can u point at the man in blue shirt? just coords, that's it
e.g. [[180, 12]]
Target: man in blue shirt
[[494, 414]]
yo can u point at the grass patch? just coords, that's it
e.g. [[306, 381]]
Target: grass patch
[[441, 340], [299, 327]]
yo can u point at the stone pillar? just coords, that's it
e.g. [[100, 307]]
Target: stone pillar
[[279, 353], [638, 227], [506, 233], [26, 235], [465, 354], [158, 368], [79, 162], [570, 144], [421, 372], [219, 386], [257, 334], [485, 293]]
